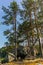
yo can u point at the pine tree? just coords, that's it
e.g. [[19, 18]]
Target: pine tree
[[10, 19]]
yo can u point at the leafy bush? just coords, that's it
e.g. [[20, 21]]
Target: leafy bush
[[4, 60]]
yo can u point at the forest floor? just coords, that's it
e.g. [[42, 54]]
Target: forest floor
[[38, 61]]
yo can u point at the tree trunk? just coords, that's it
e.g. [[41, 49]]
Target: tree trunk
[[40, 48], [15, 34]]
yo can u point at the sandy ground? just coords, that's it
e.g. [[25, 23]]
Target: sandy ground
[[27, 62]]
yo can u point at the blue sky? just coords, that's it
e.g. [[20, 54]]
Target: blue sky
[[5, 3]]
